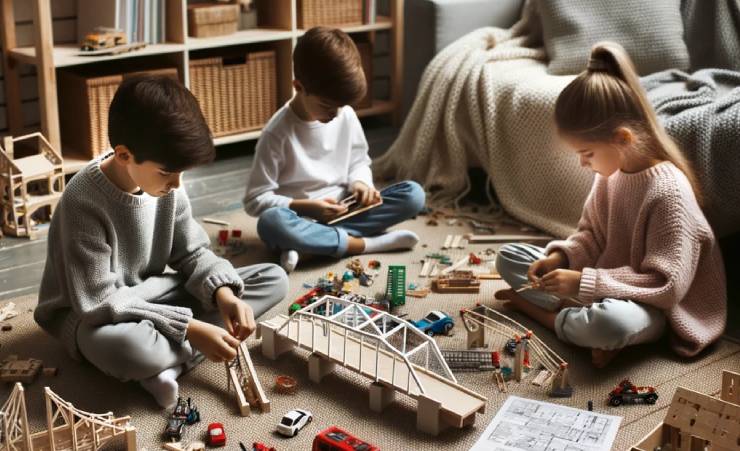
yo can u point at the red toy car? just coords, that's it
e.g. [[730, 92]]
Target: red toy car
[[216, 434], [628, 393], [335, 439]]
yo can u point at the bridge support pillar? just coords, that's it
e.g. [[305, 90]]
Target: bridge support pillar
[[273, 344], [130, 438], [380, 397], [428, 415], [476, 338], [318, 367]]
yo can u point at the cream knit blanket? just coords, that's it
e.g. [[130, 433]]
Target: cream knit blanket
[[487, 100]]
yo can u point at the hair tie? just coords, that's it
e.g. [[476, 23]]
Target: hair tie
[[597, 65]]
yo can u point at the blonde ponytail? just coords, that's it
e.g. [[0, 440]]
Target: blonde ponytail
[[608, 95]]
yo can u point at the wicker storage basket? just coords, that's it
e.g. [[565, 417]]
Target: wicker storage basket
[[85, 101], [329, 13], [208, 19], [235, 94]]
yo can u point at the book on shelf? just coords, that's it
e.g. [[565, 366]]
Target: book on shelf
[[141, 20], [370, 11]]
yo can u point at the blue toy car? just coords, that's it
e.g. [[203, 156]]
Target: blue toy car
[[434, 323]]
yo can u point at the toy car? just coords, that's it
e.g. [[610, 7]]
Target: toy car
[[186, 411], [435, 322], [175, 428], [103, 38], [294, 421], [216, 434], [510, 346], [256, 446], [626, 392], [335, 439]]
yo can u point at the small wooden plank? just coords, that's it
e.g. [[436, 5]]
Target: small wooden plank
[[458, 264], [254, 380], [502, 238], [241, 400]]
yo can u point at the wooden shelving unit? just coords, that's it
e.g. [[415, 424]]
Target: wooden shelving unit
[[276, 28]]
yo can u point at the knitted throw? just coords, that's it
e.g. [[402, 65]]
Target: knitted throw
[[487, 100]]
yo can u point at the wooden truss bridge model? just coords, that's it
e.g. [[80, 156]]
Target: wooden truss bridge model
[[68, 428], [390, 351], [481, 318], [248, 390]]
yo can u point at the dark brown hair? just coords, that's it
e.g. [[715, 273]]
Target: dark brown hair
[[328, 65], [607, 96], [159, 120]]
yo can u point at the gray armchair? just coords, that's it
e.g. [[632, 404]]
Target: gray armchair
[[430, 25]]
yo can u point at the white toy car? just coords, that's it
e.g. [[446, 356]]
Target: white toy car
[[294, 421]]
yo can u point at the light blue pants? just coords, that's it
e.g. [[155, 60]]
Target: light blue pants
[[137, 350], [607, 324], [282, 228]]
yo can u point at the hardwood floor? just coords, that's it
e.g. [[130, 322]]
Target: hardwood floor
[[215, 188]]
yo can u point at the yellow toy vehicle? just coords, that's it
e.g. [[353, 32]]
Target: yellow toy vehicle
[[103, 38]]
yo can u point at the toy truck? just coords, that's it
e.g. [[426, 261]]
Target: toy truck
[[628, 393], [103, 38]]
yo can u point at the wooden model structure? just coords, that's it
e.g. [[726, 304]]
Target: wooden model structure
[[457, 282], [242, 375], [28, 185], [14, 370], [480, 319], [391, 352], [698, 421], [68, 428]]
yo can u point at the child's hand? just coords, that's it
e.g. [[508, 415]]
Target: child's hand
[[325, 210], [563, 282], [214, 342], [365, 194], [539, 268], [237, 315]]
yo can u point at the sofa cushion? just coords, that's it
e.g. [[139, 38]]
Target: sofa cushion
[[650, 31]]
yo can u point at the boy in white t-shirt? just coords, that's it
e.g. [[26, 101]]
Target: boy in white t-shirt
[[313, 153]]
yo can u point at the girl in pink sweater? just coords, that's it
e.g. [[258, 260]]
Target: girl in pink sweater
[[644, 260]]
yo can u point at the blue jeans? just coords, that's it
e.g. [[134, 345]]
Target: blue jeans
[[607, 324], [281, 228]]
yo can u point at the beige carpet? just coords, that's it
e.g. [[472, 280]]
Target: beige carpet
[[342, 398]]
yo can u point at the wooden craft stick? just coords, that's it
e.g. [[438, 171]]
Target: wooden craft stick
[[448, 242], [217, 222]]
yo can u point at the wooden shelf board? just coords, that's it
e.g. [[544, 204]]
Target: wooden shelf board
[[66, 55], [381, 23], [378, 107], [228, 139], [240, 37]]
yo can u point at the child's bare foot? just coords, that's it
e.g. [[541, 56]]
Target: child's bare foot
[[601, 357]]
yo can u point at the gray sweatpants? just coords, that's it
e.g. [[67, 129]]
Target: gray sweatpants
[[137, 350], [607, 324]]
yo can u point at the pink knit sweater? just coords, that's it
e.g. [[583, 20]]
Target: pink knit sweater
[[643, 237]]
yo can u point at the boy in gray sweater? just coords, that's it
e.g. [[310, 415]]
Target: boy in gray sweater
[[123, 224]]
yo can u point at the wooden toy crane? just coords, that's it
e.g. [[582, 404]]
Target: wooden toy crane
[[242, 375], [68, 428], [480, 319], [29, 185]]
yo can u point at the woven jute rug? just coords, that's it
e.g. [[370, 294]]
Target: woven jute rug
[[342, 397]]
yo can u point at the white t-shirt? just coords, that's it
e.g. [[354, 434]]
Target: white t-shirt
[[296, 159]]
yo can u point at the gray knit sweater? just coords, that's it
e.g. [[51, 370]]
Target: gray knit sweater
[[107, 254]]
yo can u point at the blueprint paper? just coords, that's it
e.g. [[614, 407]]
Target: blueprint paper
[[528, 425]]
